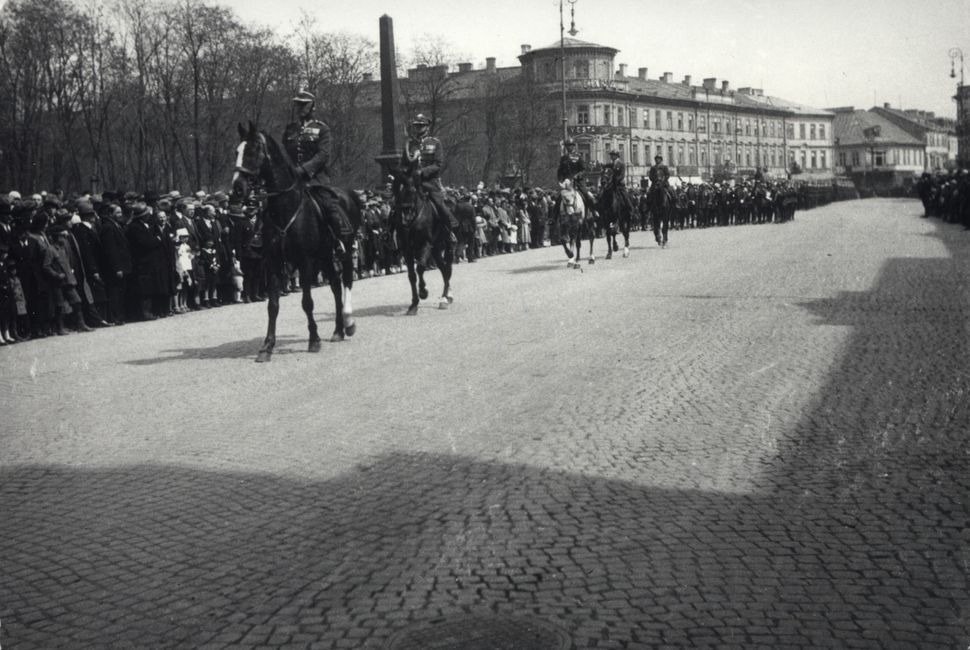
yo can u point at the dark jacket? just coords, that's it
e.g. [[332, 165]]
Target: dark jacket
[[148, 253], [115, 252]]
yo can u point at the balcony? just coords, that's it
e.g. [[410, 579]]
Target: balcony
[[598, 129]]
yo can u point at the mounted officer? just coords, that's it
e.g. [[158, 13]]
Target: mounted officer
[[423, 158], [307, 141], [573, 167], [659, 175], [616, 181]]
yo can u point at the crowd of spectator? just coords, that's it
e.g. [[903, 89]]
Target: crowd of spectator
[[946, 195], [99, 260]]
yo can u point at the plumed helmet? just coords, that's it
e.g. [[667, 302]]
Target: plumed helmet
[[421, 119], [304, 97], [569, 141]]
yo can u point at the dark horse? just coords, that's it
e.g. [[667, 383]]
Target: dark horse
[[294, 234], [420, 238], [661, 204], [617, 214]]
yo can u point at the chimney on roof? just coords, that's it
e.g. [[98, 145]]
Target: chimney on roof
[[526, 48], [725, 86], [622, 72], [490, 64], [464, 67], [686, 80], [667, 77], [886, 105], [642, 73], [710, 83], [368, 76], [758, 92]]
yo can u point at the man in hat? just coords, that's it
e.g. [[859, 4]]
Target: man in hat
[[308, 142], [572, 166], [424, 157], [659, 174], [616, 183], [89, 250]]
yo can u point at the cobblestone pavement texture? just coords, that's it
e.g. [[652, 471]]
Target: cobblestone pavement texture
[[755, 438]]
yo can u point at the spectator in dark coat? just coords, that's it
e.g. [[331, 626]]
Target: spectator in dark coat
[[149, 269], [44, 278], [465, 214], [115, 260], [89, 250]]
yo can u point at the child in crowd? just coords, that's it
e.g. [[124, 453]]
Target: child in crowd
[[209, 259], [183, 267]]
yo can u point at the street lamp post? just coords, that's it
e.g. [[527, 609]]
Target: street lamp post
[[962, 133], [562, 58]]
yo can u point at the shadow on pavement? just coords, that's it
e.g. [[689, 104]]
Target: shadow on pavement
[[539, 268], [232, 350], [857, 536]]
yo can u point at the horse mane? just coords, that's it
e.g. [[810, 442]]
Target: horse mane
[[278, 153]]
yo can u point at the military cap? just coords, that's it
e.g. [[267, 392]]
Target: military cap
[[421, 119], [568, 141], [304, 97]]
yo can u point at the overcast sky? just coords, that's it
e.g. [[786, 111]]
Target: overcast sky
[[820, 52]]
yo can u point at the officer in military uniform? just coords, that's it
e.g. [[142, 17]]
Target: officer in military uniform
[[617, 180], [424, 157], [572, 166], [659, 174], [307, 141]]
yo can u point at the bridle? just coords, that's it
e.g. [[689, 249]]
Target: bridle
[[255, 178]]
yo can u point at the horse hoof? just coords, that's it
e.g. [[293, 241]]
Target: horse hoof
[[626, 252], [450, 298], [592, 260], [264, 356], [609, 255], [423, 293], [413, 311], [314, 346], [351, 329], [337, 337], [443, 303]]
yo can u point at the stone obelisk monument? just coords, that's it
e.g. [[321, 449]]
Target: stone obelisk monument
[[390, 101]]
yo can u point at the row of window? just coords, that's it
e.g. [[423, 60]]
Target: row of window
[[881, 158], [692, 154], [681, 121]]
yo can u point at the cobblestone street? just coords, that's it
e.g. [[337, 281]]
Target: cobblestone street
[[757, 437]]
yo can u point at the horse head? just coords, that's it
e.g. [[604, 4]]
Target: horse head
[[251, 160]]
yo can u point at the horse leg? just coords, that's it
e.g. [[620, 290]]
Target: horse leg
[[626, 238], [350, 325], [413, 279], [444, 261], [272, 311], [592, 236], [306, 283]]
